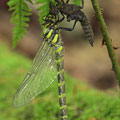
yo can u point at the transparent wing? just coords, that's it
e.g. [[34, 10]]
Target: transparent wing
[[41, 74]]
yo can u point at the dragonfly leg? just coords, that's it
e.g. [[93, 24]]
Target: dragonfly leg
[[82, 6]]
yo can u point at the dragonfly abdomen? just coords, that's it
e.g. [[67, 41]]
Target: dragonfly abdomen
[[62, 98], [61, 83]]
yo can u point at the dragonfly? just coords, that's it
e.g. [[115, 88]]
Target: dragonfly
[[47, 66], [49, 60]]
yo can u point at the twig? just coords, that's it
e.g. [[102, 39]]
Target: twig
[[107, 39]]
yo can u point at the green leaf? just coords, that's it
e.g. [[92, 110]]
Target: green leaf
[[20, 18]]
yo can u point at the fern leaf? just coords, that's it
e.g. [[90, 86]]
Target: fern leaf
[[20, 18]]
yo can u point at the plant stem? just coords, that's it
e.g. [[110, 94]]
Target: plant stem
[[107, 39]]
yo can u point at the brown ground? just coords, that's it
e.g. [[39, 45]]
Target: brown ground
[[82, 61]]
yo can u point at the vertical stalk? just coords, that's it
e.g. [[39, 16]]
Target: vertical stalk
[[107, 39]]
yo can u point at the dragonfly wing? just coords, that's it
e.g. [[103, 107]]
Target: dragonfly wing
[[41, 74]]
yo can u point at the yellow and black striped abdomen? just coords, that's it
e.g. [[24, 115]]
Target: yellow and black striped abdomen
[[61, 83]]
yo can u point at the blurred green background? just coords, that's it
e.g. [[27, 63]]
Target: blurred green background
[[84, 103], [91, 95]]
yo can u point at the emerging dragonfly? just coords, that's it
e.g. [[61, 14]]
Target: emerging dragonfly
[[49, 58], [48, 61]]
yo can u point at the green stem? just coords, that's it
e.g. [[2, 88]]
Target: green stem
[[107, 39]]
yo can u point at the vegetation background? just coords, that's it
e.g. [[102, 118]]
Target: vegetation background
[[87, 64]]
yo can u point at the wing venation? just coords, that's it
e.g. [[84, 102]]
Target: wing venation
[[40, 76]]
